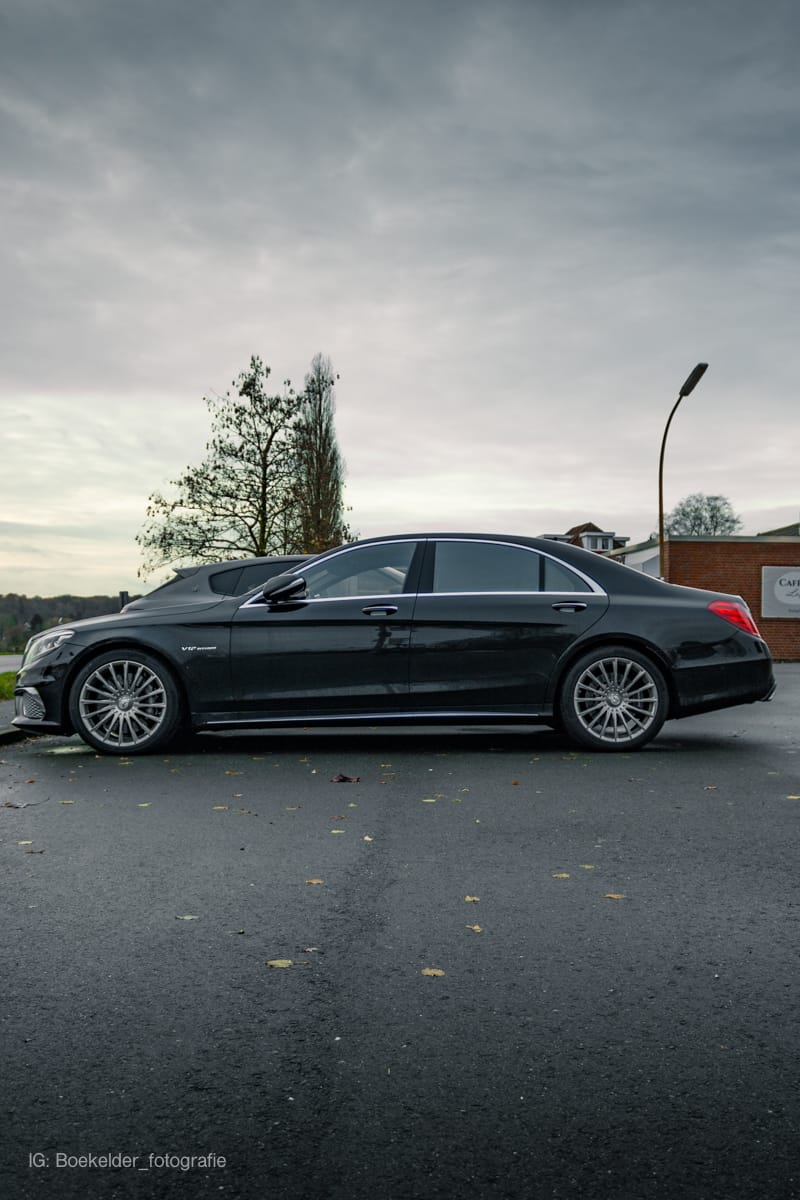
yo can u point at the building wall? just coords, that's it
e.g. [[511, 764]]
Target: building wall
[[734, 565], [645, 561]]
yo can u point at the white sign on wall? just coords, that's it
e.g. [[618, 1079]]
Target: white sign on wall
[[780, 591]]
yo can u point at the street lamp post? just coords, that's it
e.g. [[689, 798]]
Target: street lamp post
[[688, 386]]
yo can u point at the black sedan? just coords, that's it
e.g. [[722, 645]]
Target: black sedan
[[416, 628]]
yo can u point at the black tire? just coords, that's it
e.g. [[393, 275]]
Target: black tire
[[125, 702], [613, 698]]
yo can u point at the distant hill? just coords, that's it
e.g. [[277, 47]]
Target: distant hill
[[21, 616]]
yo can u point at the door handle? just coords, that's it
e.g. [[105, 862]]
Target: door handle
[[568, 606], [380, 610]]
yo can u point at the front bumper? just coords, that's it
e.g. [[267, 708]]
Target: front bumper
[[30, 712]]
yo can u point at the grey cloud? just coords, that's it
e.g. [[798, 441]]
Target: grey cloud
[[511, 226]]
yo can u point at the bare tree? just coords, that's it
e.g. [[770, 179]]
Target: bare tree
[[319, 469], [699, 515], [241, 500]]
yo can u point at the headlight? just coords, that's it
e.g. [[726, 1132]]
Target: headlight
[[45, 643]]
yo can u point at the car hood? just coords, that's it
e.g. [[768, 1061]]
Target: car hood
[[151, 614]]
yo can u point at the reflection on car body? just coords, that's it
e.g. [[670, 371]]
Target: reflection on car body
[[409, 628]]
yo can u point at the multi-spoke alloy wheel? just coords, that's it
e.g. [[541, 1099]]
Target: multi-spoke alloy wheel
[[613, 699], [125, 702]]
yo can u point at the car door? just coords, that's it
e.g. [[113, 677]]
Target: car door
[[492, 620], [341, 647]]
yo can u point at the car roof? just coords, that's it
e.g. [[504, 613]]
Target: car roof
[[606, 571]]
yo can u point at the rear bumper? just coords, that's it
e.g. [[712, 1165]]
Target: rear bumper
[[723, 685]]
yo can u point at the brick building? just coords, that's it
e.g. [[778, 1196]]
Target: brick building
[[763, 570]]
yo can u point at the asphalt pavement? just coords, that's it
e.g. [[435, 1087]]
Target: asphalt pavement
[[482, 966]]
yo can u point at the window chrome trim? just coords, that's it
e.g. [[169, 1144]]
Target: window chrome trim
[[600, 593], [594, 587], [371, 597]]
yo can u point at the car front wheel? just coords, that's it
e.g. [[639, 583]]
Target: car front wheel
[[125, 702], [613, 699]]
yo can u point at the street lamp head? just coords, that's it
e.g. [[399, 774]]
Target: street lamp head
[[691, 383]]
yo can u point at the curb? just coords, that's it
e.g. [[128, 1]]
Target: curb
[[11, 734]]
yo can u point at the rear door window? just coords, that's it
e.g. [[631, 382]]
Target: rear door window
[[485, 567]]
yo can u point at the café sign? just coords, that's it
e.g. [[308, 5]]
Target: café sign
[[780, 591]]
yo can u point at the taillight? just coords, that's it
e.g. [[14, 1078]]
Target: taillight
[[737, 614]]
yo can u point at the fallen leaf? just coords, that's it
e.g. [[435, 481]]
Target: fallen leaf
[[561, 875], [474, 928], [144, 804], [28, 843], [188, 917], [587, 866], [710, 787], [315, 881], [220, 807], [614, 896], [431, 971], [472, 899], [367, 838], [337, 831], [279, 962], [429, 801], [793, 797]]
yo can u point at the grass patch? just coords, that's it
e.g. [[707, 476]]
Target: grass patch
[[7, 684]]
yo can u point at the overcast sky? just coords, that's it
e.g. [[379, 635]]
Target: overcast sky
[[514, 226]]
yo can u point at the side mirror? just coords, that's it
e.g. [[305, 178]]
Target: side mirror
[[283, 587]]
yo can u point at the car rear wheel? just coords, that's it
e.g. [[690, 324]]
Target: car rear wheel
[[125, 702], [613, 699]]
